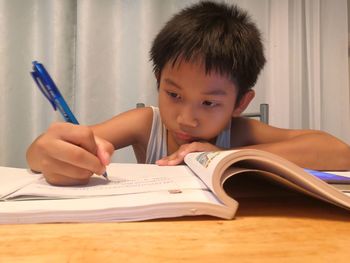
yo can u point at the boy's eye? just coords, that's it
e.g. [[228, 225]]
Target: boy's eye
[[173, 95], [208, 103]]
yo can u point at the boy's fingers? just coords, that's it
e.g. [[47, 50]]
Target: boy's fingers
[[173, 159], [78, 146], [178, 156], [79, 135], [61, 180], [54, 170], [76, 156]]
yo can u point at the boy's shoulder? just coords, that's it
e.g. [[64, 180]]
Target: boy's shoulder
[[140, 121], [240, 127], [140, 118], [247, 131], [130, 127]]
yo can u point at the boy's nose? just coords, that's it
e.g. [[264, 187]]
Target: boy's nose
[[187, 118]]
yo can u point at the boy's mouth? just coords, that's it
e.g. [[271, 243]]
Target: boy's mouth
[[184, 137]]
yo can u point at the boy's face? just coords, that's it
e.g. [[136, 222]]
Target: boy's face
[[195, 106]]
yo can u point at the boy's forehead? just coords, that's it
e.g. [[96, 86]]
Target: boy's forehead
[[193, 72], [197, 65]]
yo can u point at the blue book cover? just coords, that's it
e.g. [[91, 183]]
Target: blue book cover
[[330, 177]]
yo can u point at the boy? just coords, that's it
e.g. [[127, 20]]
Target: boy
[[206, 60]]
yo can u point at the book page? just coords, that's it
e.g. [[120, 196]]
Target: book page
[[11, 179], [204, 164], [134, 207], [122, 179], [210, 167]]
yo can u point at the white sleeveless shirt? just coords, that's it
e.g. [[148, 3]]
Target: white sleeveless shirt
[[157, 143]]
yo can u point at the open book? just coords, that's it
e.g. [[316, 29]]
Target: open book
[[206, 185]]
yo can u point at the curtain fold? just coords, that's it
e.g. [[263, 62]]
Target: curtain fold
[[319, 73], [98, 54], [31, 30]]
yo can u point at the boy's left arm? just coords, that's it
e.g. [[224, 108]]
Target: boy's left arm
[[314, 150], [307, 148]]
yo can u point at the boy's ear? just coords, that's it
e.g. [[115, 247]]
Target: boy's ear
[[243, 103], [157, 76]]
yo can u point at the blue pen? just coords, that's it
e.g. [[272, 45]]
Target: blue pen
[[51, 92]]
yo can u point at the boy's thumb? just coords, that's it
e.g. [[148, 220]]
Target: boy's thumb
[[104, 156], [104, 151]]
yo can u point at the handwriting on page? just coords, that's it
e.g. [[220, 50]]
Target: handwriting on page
[[116, 185]]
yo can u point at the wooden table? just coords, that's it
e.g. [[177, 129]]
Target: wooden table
[[297, 229]]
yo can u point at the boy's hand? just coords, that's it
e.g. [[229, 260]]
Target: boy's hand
[[178, 156], [69, 154]]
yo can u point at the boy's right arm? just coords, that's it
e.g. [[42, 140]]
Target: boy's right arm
[[69, 154]]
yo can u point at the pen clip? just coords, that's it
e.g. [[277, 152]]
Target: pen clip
[[37, 78]]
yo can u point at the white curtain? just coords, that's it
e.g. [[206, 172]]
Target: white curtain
[[307, 76], [97, 53]]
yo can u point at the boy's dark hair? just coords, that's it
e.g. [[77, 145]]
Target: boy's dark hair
[[222, 36]]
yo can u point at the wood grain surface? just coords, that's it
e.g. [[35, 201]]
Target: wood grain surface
[[286, 229]]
